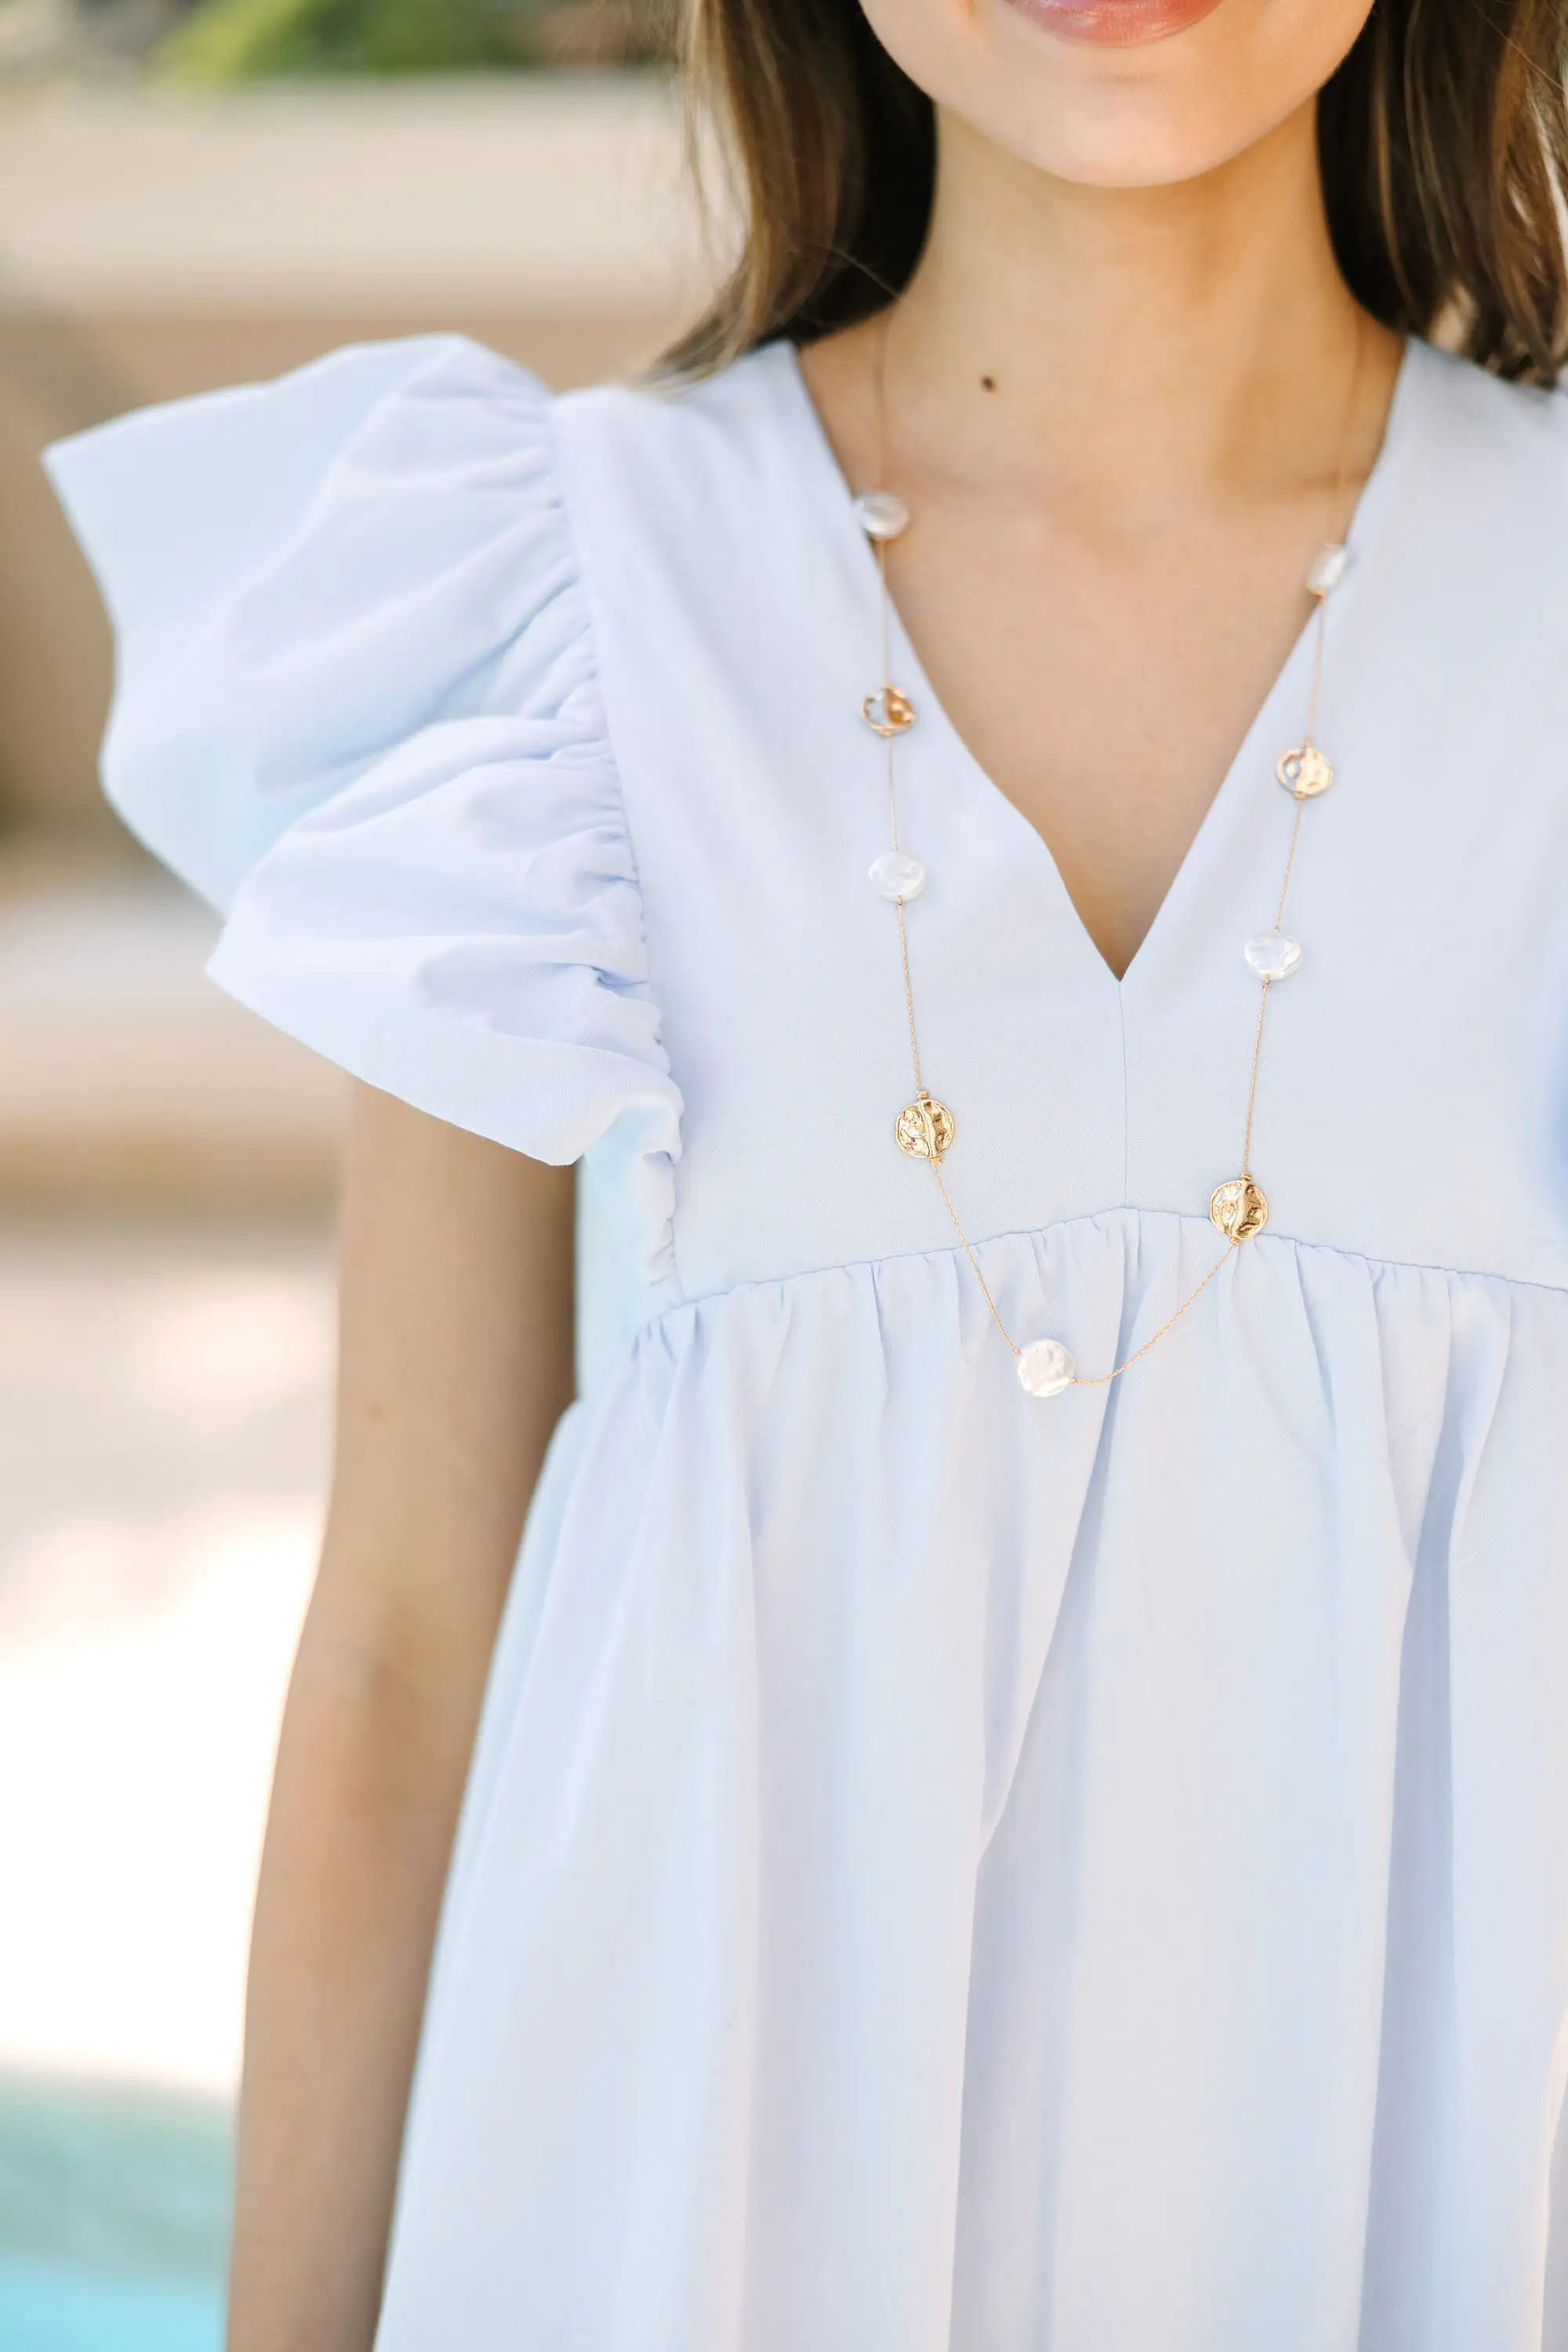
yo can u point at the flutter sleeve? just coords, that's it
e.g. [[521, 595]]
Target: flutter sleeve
[[357, 709]]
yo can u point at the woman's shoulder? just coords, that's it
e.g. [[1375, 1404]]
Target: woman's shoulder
[[662, 414], [1466, 542], [425, 480], [1492, 439], [219, 480], [305, 573], [160, 489], [357, 707], [685, 466]]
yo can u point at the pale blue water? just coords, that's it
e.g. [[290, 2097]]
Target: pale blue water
[[45, 2309], [113, 2219]]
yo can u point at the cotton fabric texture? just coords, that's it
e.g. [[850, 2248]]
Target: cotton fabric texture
[[943, 1871]]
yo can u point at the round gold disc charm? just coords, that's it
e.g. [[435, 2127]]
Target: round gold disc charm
[[1238, 1208], [888, 712], [1304, 771], [924, 1129]]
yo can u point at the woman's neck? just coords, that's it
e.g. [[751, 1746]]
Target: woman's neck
[[1118, 418], [1130, 352]]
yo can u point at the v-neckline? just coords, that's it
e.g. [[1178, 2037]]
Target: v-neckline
[[1269, 719]]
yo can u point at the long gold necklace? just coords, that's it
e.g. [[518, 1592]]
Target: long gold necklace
[[925, 1127]]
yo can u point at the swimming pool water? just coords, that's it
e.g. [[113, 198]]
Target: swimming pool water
[[113, 2218], [48, 2309]]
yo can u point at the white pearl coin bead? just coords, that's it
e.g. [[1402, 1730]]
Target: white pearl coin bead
[[881, 514], [1045, 1368], [896, 875], [1272, 956], [1327, 568]]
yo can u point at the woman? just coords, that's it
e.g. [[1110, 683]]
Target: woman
[[1065, 1862]]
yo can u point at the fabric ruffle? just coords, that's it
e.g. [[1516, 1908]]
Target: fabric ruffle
[[357, 709]]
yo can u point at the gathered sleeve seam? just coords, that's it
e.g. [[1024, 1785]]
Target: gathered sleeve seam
[[592, 640]]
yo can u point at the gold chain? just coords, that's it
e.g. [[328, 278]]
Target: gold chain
[[925, 1127]]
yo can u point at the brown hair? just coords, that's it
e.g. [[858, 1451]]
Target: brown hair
[[1443, 139]]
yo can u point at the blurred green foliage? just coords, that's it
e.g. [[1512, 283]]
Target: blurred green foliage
[[241, 40]]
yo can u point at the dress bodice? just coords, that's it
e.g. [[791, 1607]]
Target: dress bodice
[[1414, 1093], [658, 607]]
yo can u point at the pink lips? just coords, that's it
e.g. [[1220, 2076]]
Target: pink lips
[[1115, 24]]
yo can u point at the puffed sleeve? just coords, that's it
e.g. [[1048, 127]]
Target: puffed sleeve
[[356, 707]]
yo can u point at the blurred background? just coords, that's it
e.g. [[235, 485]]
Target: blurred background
[[193, 196]]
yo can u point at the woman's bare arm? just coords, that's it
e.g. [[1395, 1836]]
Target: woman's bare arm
[[456, 1362]]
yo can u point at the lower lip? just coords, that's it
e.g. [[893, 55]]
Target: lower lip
[[1115, 24]]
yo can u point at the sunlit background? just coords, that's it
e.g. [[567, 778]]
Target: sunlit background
[[191, 196]]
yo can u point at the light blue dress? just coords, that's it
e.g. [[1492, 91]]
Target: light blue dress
[[943, 1871]]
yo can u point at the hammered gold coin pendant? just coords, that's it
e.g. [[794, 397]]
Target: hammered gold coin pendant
[[1304, 771], [1238, 1208], [888, 712], [924, 1127]]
